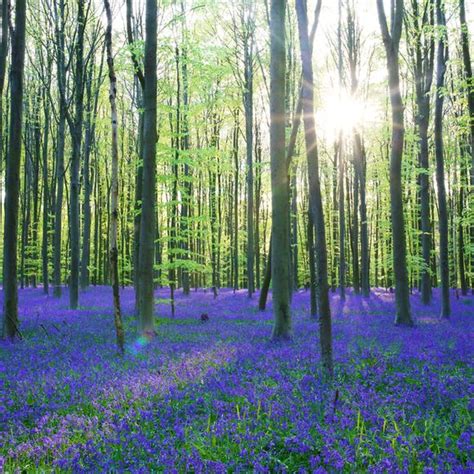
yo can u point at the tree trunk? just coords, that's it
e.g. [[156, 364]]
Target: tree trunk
[[113, 248], [45, 239], [442, 207], [262, 301], [59, 171], [235, 152], [391, 43], [470, 102], [185, 146], [10, 304], [147, 222], [364, 232], [75, 125], [342, 227], [316, 205], [280, 255], [248, 106], [312, 270]]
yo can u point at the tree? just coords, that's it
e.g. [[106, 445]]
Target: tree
[[248, 26], [5, 5], [10, 304], [59, 18], [290, 152], [140, 86], [441, 60], [466, 56], [147, 219], [391, 40], [421, 48], [113, 251], [76, 125], [316, 205], [279, 175]]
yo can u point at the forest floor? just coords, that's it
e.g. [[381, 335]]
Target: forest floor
[[218, 396]]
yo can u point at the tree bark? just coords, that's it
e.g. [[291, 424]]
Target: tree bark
[[391, 42], [279, 174], [10, 288], [316, 205], [76, 125], [59, 171], [248, 106], [147, 222], [113, 249], [439, 152], [470, 102], [46, 197]]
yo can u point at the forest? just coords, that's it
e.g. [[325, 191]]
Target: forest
[[236, 236]]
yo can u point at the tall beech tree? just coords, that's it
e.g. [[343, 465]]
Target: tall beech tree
[[421, 47], [316, 204], [75, 122], [140, 87], [113, 251], [280, 244], [59, 20], [441, 59], [391, 41], [147, 218], [290, 152], [10, 288], [4, 12], [469, 88], [248, 26]]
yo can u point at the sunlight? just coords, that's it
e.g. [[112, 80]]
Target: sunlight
[[341, 112]]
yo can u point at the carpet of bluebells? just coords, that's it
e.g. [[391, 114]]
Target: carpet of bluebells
[[218, 396]]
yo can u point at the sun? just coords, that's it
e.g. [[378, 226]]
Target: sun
[[340, 112]]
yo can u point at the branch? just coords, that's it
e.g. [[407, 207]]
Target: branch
[[387, 39], [136, 65]]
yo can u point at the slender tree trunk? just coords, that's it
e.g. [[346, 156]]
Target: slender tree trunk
[[316, 205], [280, 255], [45, 239], [461, 242], [262, 301], [10, 288], [290, 151], [3, 67], [342, 226], [355, 220], [258, 204], [185, 146], [470, 101], [113, 248], [364, 232], [59, 171], [442, 207], [294, 228], [92, 104], [312, 270], [147, 223], [248, 106], [235, 152], [75, 125], [391, 43], [140, 86]]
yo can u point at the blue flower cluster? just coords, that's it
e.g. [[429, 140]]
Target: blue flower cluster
[[220, 397]]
